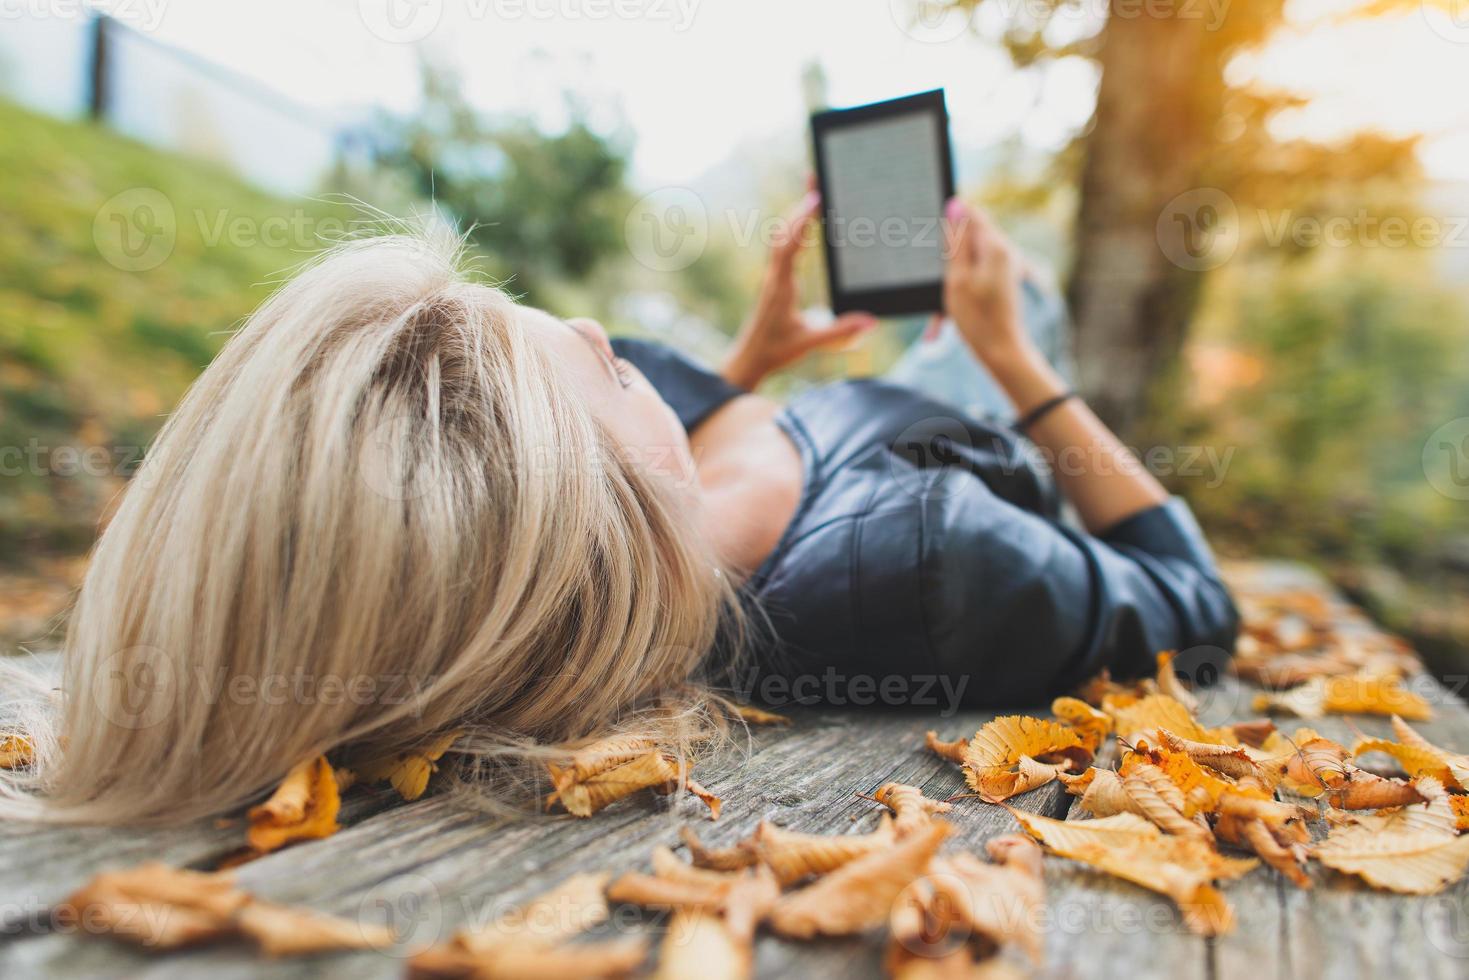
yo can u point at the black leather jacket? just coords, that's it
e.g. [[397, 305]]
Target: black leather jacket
[[929, 545]]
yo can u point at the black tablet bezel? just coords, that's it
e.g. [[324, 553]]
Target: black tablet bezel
[[921, 298]]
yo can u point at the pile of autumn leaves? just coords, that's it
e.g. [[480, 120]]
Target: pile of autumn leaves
[[1180, 790]]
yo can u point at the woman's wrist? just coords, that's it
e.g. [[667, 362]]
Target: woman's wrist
[[742, 368], [1024, 374]]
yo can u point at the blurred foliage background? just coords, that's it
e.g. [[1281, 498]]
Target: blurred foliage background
[[1315, 371]]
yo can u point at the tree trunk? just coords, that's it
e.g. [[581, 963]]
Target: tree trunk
[[1156, 109]]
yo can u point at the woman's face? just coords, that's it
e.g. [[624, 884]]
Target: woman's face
[[622, 400]]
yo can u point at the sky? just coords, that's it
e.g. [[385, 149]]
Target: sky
[[696, 79]]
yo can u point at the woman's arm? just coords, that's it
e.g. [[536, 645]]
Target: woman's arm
[[1104, 481], [777, 332]]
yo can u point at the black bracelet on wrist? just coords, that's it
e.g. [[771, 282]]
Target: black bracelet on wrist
[[1030, 418]]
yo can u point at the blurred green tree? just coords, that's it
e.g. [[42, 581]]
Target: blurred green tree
[[543, 206]]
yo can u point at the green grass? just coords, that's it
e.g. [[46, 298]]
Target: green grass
[[92, 356]]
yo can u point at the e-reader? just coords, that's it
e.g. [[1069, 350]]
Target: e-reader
[[885, 171]]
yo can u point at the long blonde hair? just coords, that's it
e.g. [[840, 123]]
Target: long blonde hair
[[377, 515]]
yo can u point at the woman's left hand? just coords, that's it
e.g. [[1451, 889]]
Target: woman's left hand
[[777, 332]]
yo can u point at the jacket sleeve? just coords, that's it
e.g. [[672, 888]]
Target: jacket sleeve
[[1029, 607]]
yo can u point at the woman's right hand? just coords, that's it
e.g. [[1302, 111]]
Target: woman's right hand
[[982, 286]]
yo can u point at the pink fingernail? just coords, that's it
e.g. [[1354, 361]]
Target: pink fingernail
[[954, 210]]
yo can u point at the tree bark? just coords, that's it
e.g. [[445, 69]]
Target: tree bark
[[1156, 109]]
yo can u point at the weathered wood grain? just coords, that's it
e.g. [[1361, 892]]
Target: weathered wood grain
[[428, 867]]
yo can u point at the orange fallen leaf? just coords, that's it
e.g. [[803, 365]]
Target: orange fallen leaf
[[646, 771], [160, 908], [598, 757], [794, 856], [1414, 861], [757, 716], [303, 807], [911, 809], [953, 751], [1090, 723], [1321, 767], [1169, 683], [1101, 793], [16, 752], [1131, 848], [409, 771], [1143, 718], [742, 855], [1004, 901], [1354, 694], [1015, 753], [859, 894], [586, 961]]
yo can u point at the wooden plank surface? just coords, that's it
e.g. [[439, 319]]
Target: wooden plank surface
[[426, 868]]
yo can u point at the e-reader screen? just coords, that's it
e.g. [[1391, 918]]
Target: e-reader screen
[[885, 172]]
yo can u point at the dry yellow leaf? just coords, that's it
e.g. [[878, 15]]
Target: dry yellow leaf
[[1131, 848], [1144, 717], [1169, 684], [573, 906], [598, 757], [1003, 901], [699, 944], [670, 867], [911, 809], [1415, 861], [1091, 724], [1321, 767], [1232, 760], [1101, 793], [953, 751], [16, 752], [1158, 799], [160, 908], [1354, 694], [859, 894], [408, 771], [1015, 753], [1287, 856], [742, 855], [794, 856], [756, 716], [303, 807], [1456, 764], [646, 771], [517, 961]]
